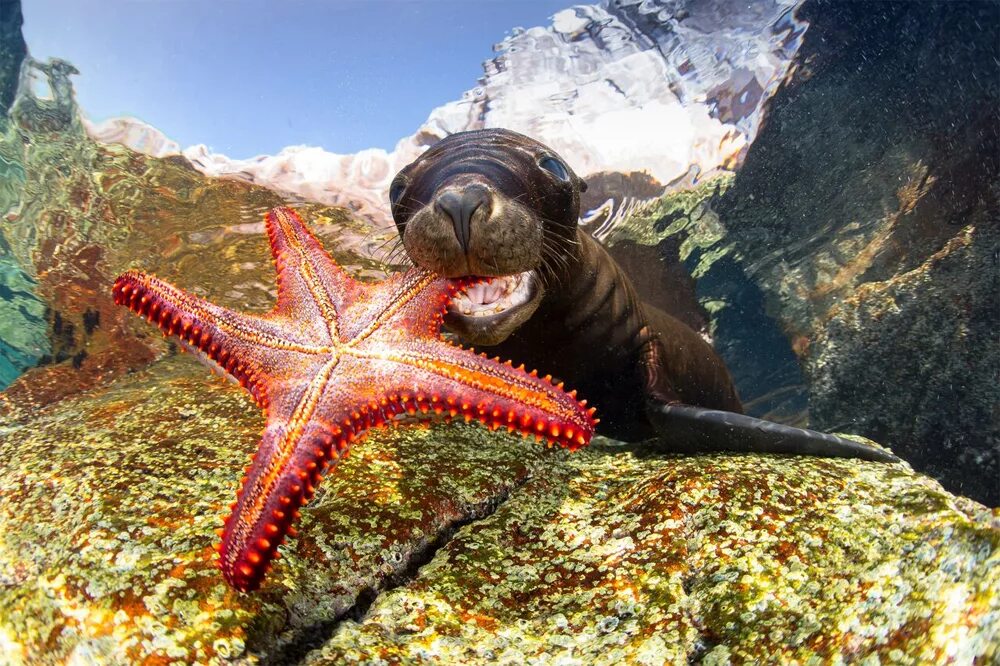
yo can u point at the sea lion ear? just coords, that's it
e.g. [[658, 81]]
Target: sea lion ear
[[583, 185]]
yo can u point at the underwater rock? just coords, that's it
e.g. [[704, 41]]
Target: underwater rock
[[110, 501], [946, 313], [612, 558], [23, 339], [453, 543], [677, 251], [866, 211]]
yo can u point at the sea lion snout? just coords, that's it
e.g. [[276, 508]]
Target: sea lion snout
[[460, 204], [486, 202], [490, 203], [469, 228]]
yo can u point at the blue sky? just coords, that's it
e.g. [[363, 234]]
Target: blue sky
[[252, 76]]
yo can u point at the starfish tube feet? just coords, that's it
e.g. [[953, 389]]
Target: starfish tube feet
[[269, 501]]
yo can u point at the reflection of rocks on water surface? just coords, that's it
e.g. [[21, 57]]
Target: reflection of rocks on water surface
[[80, 213]]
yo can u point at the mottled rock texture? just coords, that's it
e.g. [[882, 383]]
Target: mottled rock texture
[[610, 558], [867, 213], [108, 502], [118, 457]]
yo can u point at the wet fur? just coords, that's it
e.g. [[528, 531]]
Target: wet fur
[[648, 373]]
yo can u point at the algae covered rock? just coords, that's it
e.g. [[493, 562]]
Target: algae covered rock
[[108, 502], [866, 211], [614, 558]]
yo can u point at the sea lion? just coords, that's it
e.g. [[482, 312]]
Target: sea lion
[[499, 204]]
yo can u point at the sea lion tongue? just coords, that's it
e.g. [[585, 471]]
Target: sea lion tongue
[[487, 313]]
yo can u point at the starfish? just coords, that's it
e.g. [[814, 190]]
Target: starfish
[[334, 358]]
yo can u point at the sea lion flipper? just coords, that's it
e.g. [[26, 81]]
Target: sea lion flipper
[[696, 429]]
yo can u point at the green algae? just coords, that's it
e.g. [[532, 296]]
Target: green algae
[[612, 558], [686, 212], [109, 502]]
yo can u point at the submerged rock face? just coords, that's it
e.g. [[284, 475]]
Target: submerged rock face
[[109, 501], [445, 542], [610, 558], [866, 211]]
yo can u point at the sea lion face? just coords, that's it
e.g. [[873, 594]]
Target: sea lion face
[[489, 203]]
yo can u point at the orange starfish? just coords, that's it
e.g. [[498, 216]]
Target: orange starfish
[[334, 358]]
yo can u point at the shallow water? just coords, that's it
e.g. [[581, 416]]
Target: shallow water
[[811, 186]]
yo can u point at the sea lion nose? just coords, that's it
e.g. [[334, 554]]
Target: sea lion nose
[[460, 205]]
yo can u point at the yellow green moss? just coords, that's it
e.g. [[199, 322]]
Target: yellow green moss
[[609, 557], [109, 502]]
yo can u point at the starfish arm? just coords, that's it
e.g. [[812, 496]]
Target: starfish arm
[[281, 478], [404, 306], [251, 349], [308, 431], [352, 394], [311, 286], [333, 359], [436, 376]]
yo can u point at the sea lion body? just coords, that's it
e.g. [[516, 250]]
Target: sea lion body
[[496, 203], [594, 333]]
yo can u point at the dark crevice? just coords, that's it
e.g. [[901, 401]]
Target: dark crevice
[[706, 639], [702, 646], [315, 636]]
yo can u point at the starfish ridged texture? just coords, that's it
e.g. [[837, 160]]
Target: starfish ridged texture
[[334, 358]]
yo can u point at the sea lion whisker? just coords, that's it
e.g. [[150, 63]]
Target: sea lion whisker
[[399, 258], [384, 249], [395, 255], [551, 254], [392, 242], [519, 197]]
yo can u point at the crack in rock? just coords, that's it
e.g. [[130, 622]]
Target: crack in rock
[[314, 637]]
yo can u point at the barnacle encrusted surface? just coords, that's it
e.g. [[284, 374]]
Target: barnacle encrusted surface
[[108, 501]]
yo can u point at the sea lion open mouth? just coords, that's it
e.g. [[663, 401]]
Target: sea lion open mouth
[[488, 312]]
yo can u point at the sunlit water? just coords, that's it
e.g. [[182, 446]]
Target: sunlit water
[[818, 200], [657, 105]]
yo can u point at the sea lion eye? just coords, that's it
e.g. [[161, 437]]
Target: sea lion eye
[[555, 167], [396, 190]]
